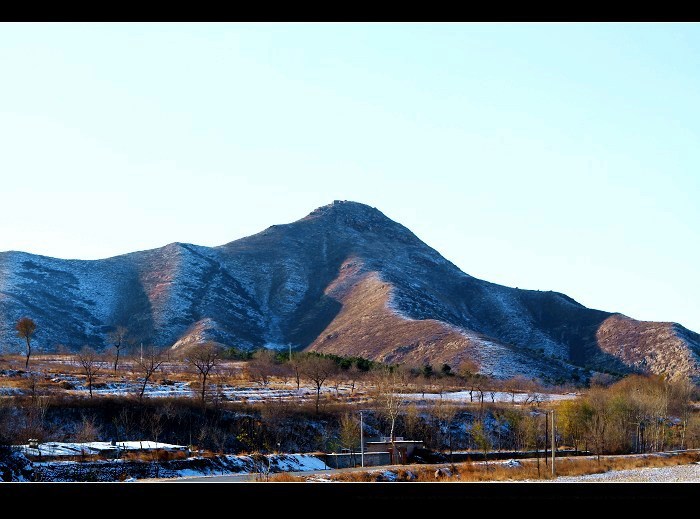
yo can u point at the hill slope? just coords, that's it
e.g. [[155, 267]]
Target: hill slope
[[345, 279]]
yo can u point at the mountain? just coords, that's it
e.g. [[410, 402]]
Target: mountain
[[345, 280]]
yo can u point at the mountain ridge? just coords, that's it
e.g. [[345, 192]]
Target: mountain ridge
[[344, 279]]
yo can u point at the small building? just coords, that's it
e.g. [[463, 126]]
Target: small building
[[404, 448]]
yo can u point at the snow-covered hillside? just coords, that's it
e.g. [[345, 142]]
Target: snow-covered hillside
[[345, 279]]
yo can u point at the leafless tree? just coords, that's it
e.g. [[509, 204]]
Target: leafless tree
[[274, 414], [482, 439], [36, 410], [87, 431], [680, 404], [516, 384], [492, 393], [468, 370], [389, 400], [91, 363], [349, 434], [295, 364], [442, 385], [123, 424], [9, 427], [118, 340], [147, 364], [203, 360], [262, 366], [336, 379], [26, 328], [444, 412], [412, 420], [317, 369], [598, 400], [353, 374]]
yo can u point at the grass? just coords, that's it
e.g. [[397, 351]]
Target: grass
[[284, 477], [149, 456], [475, 472]]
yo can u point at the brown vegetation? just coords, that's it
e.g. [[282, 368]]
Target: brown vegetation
[[526, 470]]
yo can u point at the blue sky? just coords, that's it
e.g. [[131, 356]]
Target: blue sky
[[546, 156]]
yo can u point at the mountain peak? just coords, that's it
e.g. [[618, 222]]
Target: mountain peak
[[346, 208], [359, 217]]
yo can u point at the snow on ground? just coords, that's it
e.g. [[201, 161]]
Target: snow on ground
[[673, 474], [490, 396], [258, 393], [297, 463], [243, 464], [90, 448], [228, 392], [183, 389]]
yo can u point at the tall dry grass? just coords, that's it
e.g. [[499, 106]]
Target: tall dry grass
[[527, 470], [284, 477]]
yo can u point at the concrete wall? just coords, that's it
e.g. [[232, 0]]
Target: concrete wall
[[341, 461]]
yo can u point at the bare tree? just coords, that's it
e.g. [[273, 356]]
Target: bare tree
[[204, 359], [353, 374], [519, 383], [336, 380], [274, 414], [86, 431], [468, 370], [680, 404], [147, 364], [600, 417], [123, 424], [118, 339], [412, 420], [36, 410], [482, 439], [387, 385], [26, 328], [349, 434], [262, 366], [295, 363], [91, 363], [317, 369], [444, 412]]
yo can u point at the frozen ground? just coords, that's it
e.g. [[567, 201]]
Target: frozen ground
[[675, 474], [90, 448], [233, 393], [491, 396], [183, 389], [197, 467]]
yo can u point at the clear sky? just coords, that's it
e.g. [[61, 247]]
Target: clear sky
[[547, 156]]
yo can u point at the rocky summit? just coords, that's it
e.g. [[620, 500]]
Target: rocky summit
[[345, 280]]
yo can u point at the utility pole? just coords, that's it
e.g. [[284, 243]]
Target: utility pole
[[554, 445], [546, 437], [290, 352], [362, 442], [141, 353]]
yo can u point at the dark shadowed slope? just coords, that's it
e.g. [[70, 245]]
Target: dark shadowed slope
[[345, 279]]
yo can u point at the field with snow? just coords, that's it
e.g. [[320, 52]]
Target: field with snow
[[491, 396], [70, 449], [192, 467], [675, 474]]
